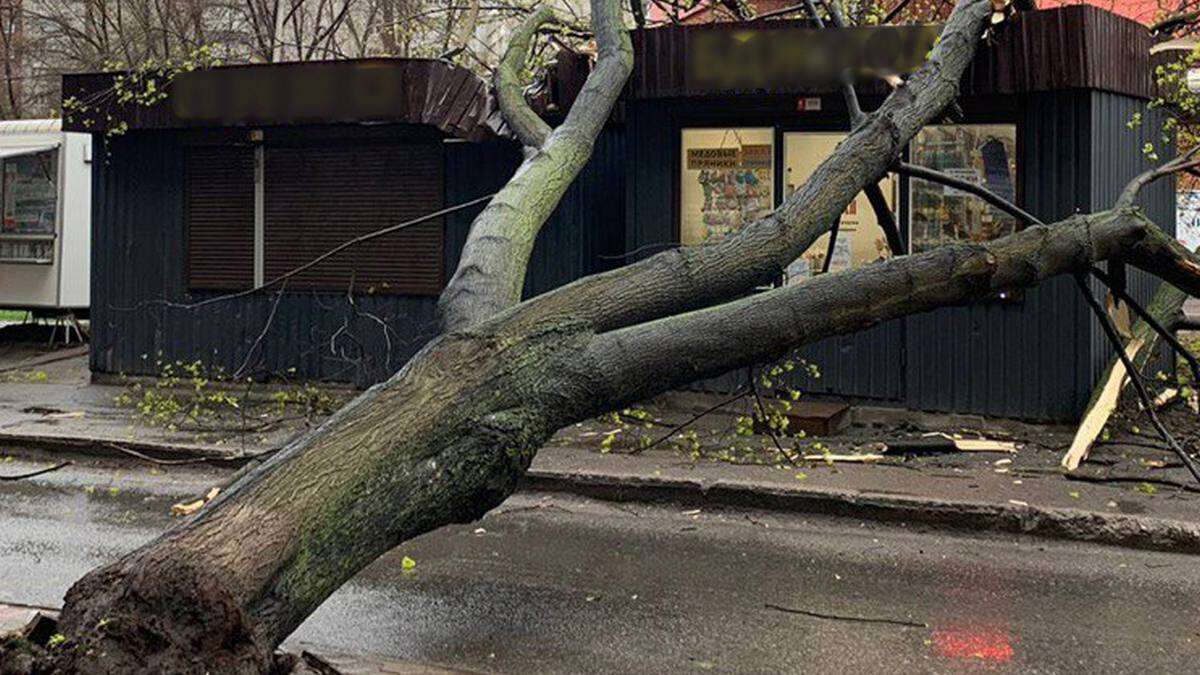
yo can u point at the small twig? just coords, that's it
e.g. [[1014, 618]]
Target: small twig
[[784, 11], [762, 414], [891, 16], [39, 472], [690, 422], [839, 617], [237, 374], [154, 460], [651, 421]]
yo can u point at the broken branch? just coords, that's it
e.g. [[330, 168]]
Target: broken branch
[[843, 617], [33, 474]]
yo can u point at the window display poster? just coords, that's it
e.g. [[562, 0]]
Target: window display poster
[[983, 154], [727, 181], [860, 239]]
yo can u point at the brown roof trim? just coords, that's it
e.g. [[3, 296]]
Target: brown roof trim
[[1072, 47], [377, 90]]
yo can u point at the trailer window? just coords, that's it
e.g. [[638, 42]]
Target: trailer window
[[727, 181], [30, 202], [984, 154]]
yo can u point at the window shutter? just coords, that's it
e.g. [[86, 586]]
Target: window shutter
[[319, 197], [219, 206]]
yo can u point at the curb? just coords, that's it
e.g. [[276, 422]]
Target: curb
[[1114, 529], [103, 447], [1136, 532]]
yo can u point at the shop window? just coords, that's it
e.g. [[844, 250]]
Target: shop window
[[860, 239], [727, 181], [30, 202], [984, 154]]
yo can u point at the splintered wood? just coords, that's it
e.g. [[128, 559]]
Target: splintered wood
[[188, 508], [1097, 416], [975, 444]]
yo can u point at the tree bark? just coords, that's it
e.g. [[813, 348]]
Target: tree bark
[[699, 276]]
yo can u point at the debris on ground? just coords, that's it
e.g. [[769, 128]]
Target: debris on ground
[[188, 508]]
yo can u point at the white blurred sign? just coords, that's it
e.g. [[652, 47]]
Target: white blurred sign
[[1193, 80]]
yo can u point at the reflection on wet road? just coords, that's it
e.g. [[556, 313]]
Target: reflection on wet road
[[564, 585]]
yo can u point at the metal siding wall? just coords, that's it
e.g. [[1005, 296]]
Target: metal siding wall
[[1119, 157], [651, 184], [138, 263], [139, 249], [1019, 359]]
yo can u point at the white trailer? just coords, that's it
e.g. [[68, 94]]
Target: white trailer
[[46, 217]]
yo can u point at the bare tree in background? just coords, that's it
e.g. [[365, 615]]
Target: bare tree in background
[[42, 39]]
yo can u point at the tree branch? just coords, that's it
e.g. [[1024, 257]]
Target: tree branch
[[528, 126], [1110, 331], [1187, 161], [699, 276], [491, 272], [668, 352]]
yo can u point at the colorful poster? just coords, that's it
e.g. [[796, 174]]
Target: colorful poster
[[727, 181], [860, 239]]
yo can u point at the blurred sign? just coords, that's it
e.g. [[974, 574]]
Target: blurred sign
[[1193, 80], [280, 94], [778, 58], [809, 104], [744, 157]]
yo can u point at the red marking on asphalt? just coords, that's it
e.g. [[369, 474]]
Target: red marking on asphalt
[[984, 644]]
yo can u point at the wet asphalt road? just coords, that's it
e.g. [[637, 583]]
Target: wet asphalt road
[[553, 584]]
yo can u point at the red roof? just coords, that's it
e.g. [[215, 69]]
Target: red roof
[[1145, 11]]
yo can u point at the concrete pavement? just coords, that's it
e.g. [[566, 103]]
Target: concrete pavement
[[552, 583]]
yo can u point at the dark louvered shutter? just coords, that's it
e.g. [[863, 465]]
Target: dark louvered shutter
[[219, 205], [319, 197]]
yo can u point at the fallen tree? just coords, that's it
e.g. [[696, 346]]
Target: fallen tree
[[448, 437]]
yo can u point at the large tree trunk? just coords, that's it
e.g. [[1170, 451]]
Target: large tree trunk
[[448, 437], [441, 442]]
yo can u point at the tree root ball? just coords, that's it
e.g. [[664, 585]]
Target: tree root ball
[[147, 615]]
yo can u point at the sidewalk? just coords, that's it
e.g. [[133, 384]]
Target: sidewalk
[[1128, 495], [86, 418]]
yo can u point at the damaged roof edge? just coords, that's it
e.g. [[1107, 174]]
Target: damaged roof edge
[[447, 97], [1070, 47]]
